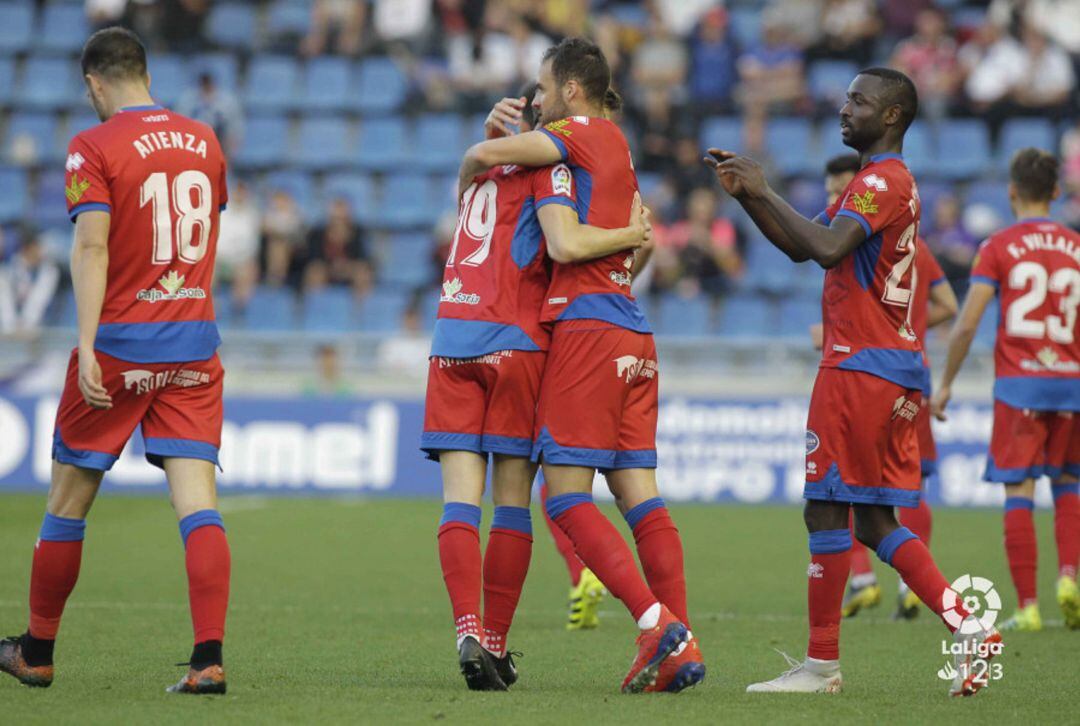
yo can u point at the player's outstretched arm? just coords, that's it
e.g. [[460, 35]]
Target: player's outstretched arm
[[798, 237], [942, 304], [979, 296], [533, 148], [570, 241], [89, 274]]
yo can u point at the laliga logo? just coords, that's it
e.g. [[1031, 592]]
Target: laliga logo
[[979, 598]]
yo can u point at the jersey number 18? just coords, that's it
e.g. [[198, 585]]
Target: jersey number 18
[[192, 225]]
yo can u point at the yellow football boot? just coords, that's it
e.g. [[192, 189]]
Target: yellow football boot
[[585, 599]]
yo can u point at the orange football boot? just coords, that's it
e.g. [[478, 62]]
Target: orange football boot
[[209, 680], [654, 646], [682, 669], [12, 662]]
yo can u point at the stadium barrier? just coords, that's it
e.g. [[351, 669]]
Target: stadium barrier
[[711, 449]]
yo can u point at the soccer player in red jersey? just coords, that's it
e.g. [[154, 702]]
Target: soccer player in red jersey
[[598, 398], [861, 439], [144, 189], [1033, 268], [487, 357]]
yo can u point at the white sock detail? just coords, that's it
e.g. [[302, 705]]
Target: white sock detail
[[650, 617], [865, 579]]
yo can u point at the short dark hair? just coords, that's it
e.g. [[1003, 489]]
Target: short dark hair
[[581, 60], [1034, 173], [613, 102], [528, 114], [115, 53], [843, 164], [900, 90]]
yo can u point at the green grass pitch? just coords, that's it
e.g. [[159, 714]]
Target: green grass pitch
[[338, 614]]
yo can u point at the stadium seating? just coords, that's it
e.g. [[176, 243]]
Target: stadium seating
[[381, 310], [828, 80], [322, 143], [327, 310], [789, 142], [798, 314], [46, 83], [1017, 133], [358, 189], [264, 140], [7, 80], [300, 186], [676, 315], [171, 76], [38, 131], [326, 85], [380, 86], [48, 208], [963, 149], [407, 262], [746, 25], [12, 194], [271, 83], [439, 142], [723, 132], [288, 18], [746, 317], [270, 309], [383, 144], [232, 25], [406, 203], [16, 26], [63, 27], [993, 194]]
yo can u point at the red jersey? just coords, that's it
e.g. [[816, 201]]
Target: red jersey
[[161, 177], [497, 273], [597, 153], [1034, 266], [867, 301], [928, 275]]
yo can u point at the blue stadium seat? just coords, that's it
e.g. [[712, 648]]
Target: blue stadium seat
[[807, 195], [407, 262], [298, 184], [746, 317], [327, 85], [920, 152], [232, 25], [80, 122], [808, 280], [930, 192], [47, 83], [797, 314], [7, 80], [406, 202], [222, 66], [16, 26], [265, 139], [439, 142], [383, 144], [48, 208], [381, 310], [270, 309], [288, 18], [322, 143], [381, 87], [963, 148], [767, 268], [358, 189], [327, 310], [746, 26], [994, 195], [830, 143], [63, 27], [34, 134], [829, 80], [724, 132], [790, 143], [429, 308], [13, 184], [474, 128], [678, 315], [271, 83], [169, 78], [1018, 133]]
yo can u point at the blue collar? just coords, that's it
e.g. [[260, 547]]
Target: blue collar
[[882, 157], [1025, 220], [151, 107]]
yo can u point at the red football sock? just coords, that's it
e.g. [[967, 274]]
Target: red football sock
[[916, 566], [562, 542], [660, 550], [602, 549], [1067, 528], [1021, 548], [459, 555], [52, 578], [208, 566], [830, 561], [918, 519], [506, 562]]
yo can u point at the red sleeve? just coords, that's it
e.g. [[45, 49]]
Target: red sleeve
[[985, 268], [85, 182], [554, 185], [871, 200], [571, 136]]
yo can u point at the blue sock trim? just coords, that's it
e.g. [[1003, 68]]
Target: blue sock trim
[[1061, 489], [518, 519], [830, 541], [460, 512], [62, 529], [201, 518], [635, 515], [888, 546], [1012, 503], [559, 503]]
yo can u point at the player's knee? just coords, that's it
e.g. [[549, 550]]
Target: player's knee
[[820, 516], [72, 491], [1025, 490], [873, 524]]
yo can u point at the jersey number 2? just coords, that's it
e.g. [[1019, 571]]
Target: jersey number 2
[[192, 224]]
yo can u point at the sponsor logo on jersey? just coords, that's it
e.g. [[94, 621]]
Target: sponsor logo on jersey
[[556, 301], [143, 381], [1047, 359], [74, 161], [452, 293], [560, 127], [905, 408], [812, 442], [815, 570], [173, 284], [629, 367], [562, 181], [864, 203], [492, 359], [873, 180], [76, 188]]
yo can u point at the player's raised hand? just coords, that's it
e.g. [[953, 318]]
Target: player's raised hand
[[505, 118], [939, 401], [741, 176], [90, 386], [640, 220], [731, 184]]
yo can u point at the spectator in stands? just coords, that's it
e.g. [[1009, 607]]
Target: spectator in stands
[[656, 120], [1070, 174], [713, 55], [898, 16], [401, 21], [238, 245], [336, 26], [929, 58], [1057, 19], [103, 13], [952, 244], [283, 230], [182, 24], [799, 20], [706, 247], [28, 283], [407, 352], [1046, 79], [495, 59], [771, 74], [336, 253], [660, 61], [849, 30], [328, 380], [217, 108], [992, 62], [689, 173]]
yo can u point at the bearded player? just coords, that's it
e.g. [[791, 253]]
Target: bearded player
[[144, 189], [598, 400], [487, 357], [862, 443], [1033, 268]]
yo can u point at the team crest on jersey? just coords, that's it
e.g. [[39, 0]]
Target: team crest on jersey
[[452, 293], [173, 284], [562, 181], [873, 180], [812, 442], [74, 161], [76, 188], [559, 127], [864, 203]]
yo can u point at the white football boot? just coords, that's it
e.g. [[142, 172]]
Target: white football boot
[[810, 676], [978, 645]]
